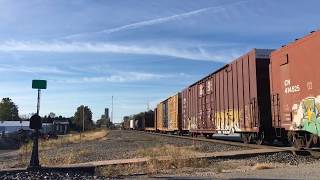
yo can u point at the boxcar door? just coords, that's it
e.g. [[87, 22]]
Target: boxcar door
[[287, 89]]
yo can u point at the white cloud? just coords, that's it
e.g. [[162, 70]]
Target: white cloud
[[122, 77], [86, 47], [33, 69]]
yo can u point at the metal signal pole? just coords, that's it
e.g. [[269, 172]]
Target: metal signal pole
[[36, 124], [34, 161], [38, 103]]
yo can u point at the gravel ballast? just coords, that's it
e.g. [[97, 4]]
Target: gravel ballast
[[119, 145], [124, 145], [47, 175]]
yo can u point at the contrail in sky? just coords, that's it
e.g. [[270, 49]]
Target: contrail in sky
[[152, 21]]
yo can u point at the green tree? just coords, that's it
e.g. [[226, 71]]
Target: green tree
[[8, 110], [83, 113]]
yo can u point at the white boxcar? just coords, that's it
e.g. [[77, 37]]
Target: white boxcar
[[132, 124]]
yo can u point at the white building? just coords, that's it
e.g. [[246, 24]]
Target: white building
[[61, 127], [7, 127]]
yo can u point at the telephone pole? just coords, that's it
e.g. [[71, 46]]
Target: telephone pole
[[83, 118], [112, 109]]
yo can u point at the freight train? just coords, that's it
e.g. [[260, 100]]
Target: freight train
[[141, 121], [263, 95]]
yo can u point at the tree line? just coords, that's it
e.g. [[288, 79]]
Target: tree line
[[9, 111]]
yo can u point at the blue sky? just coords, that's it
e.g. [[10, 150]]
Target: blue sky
[[139, 51]]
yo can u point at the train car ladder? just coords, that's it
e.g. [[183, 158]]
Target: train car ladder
[[276, 120]]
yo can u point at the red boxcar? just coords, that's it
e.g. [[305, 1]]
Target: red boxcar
[[232, 99], [189, 108], [295, 90]]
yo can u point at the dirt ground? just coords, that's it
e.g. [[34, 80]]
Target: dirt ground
[[116, 145], [240, 169], [130, 144]]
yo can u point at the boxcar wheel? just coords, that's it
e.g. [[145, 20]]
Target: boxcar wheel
[[208, 136], [246, 138], [311, 140], [296, 141], [259, 138]]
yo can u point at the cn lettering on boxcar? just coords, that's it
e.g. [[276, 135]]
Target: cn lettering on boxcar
[[295, 89], [290, 88]]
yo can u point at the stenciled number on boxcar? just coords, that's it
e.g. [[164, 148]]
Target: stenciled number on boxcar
[[290, 88]]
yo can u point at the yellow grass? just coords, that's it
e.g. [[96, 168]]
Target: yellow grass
[[260, 166], [168, 150], [66, 139], [61, 158], [179, 157], [70, 157]]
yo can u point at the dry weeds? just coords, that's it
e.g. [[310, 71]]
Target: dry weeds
[[66, 139], [61, 158], [71, 157], [168, 150], [175, 158], [260, 166], [121, 170]]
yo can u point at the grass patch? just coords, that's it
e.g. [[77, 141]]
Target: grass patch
[[178, 157], [167, 150], [71, 157], [152, 167], [60, 158], [261, 166], [66, 139], [121, 170]]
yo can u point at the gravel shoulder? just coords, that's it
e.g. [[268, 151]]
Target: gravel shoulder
[[301, 171], [128, 144], [276, 166], [117, 145]]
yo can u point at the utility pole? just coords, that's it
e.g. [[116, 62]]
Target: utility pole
[[82, 107], [82, 118], [112, 109]]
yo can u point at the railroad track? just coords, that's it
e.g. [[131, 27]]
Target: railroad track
[[255, 153], [315, 152]]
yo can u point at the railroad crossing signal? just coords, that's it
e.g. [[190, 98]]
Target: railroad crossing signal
[[36, 124]]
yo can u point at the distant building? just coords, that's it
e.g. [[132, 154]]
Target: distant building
[[47, 128], [61, 127], [7, 127], [106, 113], [117, 125]]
